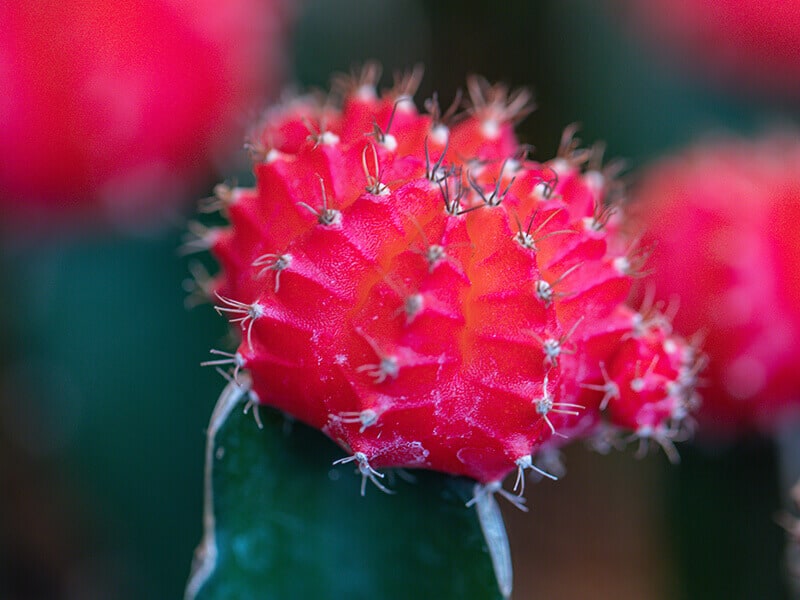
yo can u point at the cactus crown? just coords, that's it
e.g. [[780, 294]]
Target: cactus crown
[[419, 289]]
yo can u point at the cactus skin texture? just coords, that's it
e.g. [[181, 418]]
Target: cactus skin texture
[[125, 101], [417, 288], [722, 218]]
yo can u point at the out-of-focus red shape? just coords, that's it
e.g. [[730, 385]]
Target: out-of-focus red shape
[[722, 219], [753, 45], [111, 108]]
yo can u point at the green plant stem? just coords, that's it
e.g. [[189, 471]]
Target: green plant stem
[[282, 520]]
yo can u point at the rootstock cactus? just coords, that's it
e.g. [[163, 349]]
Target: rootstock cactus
[[417, 288]]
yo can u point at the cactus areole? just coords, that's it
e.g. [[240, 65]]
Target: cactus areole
[[416, 287]]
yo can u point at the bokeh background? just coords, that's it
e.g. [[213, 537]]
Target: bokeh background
[[103, 403]]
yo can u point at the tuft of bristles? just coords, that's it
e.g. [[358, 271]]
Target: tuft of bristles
[[420, 290]]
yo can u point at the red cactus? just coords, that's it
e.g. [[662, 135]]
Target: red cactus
[[106, 105], [721, 219], [428, 296]]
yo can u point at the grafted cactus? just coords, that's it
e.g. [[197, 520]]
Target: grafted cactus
[[419, 289]]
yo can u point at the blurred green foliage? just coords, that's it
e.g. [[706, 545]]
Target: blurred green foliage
[[102, 384]]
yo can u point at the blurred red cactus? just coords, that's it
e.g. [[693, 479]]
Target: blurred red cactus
[[110, 109], [751, 44], [721, 221]]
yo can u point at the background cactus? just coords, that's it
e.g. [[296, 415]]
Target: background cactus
[[127, 103], [736, 278], [743, 44]]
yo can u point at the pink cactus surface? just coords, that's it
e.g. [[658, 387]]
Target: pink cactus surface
[[722, 220], [111, 109], [419, 289]]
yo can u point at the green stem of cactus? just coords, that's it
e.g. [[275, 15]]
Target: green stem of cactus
[[280, 521]]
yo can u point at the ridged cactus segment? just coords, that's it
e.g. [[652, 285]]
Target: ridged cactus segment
[[419, 289]]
